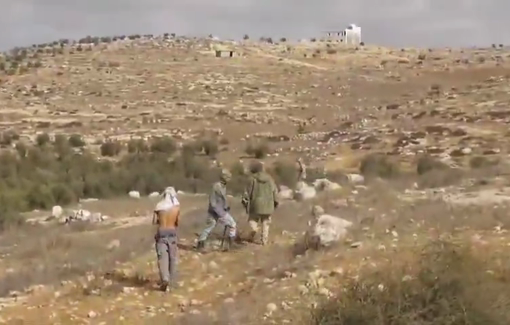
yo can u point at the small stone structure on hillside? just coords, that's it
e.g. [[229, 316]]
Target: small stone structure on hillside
[[224, 52]]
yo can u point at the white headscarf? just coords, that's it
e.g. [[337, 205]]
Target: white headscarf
[[169, 200]]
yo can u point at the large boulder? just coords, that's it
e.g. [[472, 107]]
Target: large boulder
[[328, 229], [56, 211]]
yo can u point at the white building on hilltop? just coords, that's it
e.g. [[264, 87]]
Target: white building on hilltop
[[351, 35]]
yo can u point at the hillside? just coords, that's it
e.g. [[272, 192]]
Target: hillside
[[426, 128]]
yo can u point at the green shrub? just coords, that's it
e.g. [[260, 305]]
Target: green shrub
[[21, 149], [76, 141], [110, 148], [239, 179], [284, 173], [210, 147], [258, 150], [42, 139], [378, 165], [164, 145], [479, 162], [427, 164], [8, 137], [137, 146], [39, 178]]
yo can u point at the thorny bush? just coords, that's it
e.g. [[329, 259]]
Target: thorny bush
[[446, 284]]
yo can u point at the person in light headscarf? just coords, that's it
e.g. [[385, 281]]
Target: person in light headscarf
[[166, 216]]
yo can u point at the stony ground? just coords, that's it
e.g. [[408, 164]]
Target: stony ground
[[329, 104]]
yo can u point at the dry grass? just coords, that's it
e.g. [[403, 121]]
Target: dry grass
[[443, 284], [60, 254], [393, 105]]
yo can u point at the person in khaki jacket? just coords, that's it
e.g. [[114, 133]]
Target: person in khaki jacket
[[260, 200]]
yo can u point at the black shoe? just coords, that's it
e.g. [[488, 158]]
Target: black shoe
[[164, 286], [227, 244], [251, 238], [230, 245], [200, 246]]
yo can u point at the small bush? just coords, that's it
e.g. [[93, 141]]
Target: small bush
[[21, 149], [164, 145], [137, 146], [427, 163], [42, 139], [479, 162], [435, 173], [210, 147], [76, 141], [110, 148], [284, 173], [377, 165], [434, 289], [258, 150], [8, 137], [239, 179]]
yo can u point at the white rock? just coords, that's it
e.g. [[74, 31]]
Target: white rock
[[329, 229], [324, 184], [134, 194], [285, 193], [305, 193], [355, 178], [56, 211], [154, 195], [466, 151], [96, 217], [271, 308], [301, 185]]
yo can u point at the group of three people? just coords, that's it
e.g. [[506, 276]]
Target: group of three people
[[260, 199]]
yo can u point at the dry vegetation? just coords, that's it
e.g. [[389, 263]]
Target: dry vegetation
[[103, 116]]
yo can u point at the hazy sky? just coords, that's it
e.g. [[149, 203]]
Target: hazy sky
[[385, 22]]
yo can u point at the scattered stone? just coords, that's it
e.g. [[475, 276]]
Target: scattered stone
[[154, 195], [324, 184], [134, 194]]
